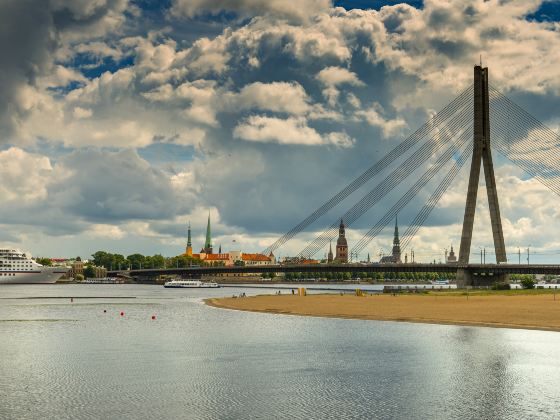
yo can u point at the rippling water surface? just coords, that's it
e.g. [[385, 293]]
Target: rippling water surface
[[71, 360]]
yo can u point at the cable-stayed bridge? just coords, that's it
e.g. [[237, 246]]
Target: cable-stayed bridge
[[478, 121]]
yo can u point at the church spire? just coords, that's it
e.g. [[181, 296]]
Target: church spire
[[208, 242], [396, 243], [396, 237], [189, 242], [330, 255]]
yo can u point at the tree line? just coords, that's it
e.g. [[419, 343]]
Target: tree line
[[138, 261]]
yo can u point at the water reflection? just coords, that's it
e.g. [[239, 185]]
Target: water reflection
[[196, 361]]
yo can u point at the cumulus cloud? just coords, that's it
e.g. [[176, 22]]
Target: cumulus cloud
[[373, 117], [30, 33], [280, 8], [24, 176], [221, 103], [286, 131]]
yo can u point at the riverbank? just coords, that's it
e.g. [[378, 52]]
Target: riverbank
[[538, 311]]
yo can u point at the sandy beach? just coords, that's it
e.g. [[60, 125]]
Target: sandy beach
[[526, 311]]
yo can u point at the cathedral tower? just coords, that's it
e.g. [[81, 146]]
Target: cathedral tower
[[396, 244], [341, 245]]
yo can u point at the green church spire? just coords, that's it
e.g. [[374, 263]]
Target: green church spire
[[208, 243]]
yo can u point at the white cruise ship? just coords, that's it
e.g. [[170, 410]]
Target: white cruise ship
[[17, 267]]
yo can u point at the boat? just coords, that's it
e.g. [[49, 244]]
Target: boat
[[17, 267], [190, 284]]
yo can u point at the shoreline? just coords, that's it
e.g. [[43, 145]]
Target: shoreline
[[529, 312]]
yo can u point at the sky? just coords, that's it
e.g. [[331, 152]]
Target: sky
[[123, 120]]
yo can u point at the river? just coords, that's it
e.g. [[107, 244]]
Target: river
[[83, 360]]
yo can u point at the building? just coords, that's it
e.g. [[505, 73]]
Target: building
[[231, 258], [341, 245], [77, 268], [450, 258], [395, 257], [100, 272], [330, 255]]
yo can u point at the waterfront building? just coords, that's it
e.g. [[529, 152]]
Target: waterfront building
[[225, 258], [77, 268], [395, 257], [341, 244]]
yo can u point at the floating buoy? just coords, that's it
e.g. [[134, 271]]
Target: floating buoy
[[104, 311], [153, 317], [122, 313]]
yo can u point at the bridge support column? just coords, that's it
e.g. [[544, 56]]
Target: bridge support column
[[482, 157], [466, 277]]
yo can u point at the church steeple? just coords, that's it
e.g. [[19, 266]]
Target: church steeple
[[189, 242], [396, 243], [341, 244], [330, 255], [208, 242]]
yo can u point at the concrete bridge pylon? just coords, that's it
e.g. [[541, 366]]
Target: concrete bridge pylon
[[482, 156]]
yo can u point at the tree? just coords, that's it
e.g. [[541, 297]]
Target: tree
[[528, 283], [44, 261], [137, 261], [89, 271]]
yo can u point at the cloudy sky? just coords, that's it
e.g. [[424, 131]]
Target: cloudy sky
[[122, 120]]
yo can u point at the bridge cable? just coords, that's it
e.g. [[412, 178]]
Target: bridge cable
[[449, 110], [521, 121], [458, 122], [414, 190], [423, 214]]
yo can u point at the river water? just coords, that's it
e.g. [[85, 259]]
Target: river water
[[83, 360]]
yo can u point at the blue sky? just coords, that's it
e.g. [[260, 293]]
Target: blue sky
[[123, 120]]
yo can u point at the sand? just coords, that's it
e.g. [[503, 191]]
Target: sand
[[538, 311]]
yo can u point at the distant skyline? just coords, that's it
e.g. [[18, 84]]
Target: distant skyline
[[123, 120]]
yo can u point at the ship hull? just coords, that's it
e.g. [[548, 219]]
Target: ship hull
[[44, 275]]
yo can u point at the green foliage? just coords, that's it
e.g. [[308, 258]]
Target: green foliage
[[79, 277], [44, 261], [89, 271], [528, 283], [110, 261]]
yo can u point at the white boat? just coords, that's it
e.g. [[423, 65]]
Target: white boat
[[190, 284], [17, 267]]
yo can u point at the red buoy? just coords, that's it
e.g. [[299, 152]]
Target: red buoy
[[122, 313], [153, 317]]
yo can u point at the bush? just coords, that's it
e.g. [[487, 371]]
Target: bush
[[501, 286], [528, 283]]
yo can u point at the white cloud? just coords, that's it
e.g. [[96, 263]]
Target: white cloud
[[105, 231], [372, 116], [277, 97], [334, 76], [286, 131], [24, 176]]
